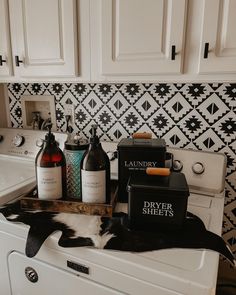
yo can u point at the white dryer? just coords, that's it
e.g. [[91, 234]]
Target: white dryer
[[72, 271]]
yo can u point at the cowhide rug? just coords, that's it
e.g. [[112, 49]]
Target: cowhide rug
[[112, 233]]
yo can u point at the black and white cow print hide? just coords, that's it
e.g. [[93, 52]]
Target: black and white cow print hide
[[112, 233]]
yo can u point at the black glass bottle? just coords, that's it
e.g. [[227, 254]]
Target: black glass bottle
[[95, 172]]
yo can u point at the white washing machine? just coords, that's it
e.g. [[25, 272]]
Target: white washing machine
[[73, 271]]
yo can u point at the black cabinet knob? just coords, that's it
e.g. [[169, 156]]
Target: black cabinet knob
[[173, 52], [18, 61], [2, 60], [206, 50]]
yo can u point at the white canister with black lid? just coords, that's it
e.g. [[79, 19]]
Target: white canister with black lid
[[74, 150]]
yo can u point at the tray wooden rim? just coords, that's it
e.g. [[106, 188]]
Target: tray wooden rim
[[70, 205]]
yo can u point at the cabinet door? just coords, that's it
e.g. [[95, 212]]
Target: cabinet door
[[140, 37], [43, 35], [5, 49], [219, 23]]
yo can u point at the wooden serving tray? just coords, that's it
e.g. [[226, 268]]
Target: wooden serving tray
[[31, 202]]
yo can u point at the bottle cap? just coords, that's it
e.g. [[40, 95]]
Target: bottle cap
[[49, 137], [76, 143], [94, 138]]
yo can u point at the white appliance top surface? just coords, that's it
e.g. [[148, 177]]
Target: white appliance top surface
[[14, 171], [17, 176]]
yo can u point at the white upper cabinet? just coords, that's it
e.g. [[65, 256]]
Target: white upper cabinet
[[136, 37], [117, 40], [45, 38], [43, 35], [5, 49], [218, 42]]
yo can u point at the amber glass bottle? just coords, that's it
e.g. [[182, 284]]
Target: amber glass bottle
[[51, 169]]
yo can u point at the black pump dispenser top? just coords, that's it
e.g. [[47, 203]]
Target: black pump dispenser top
[[94, 138], [49, 137]]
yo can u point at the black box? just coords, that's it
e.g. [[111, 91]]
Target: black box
[[135, 155], [157, 201]]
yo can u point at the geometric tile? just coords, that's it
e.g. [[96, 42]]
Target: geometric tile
[[80, 90], [118, 104], [16, 115], [214, 86], [212, 108], [176, 138], [16, 89], [231, 160], [192, 124], [131, 120], [226, 127], [230, 238], [92, 103], [177, 107], [146, 105], [231, 179], [105, 91], [60, 118], [230, 195], [37, 88], [117, 132], [69, 98], [227, 225], [105, 118], [12, 101], [196, 93], [228, 93], [82, 117], [162, 92], [132, 91], [160, 122], [87, 128], [209, 140], [233, 146], [57, 89]]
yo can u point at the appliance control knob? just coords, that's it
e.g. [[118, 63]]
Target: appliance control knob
[[18, 140], [177, 165], [31, 274], [39, 143], [198, 168], [1, 138]]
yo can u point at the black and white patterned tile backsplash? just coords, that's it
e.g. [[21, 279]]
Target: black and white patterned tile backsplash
[[198, 116]]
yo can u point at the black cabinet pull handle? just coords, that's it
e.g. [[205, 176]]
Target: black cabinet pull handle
[[2, 60], [18, 61], [173, 53], [206, 50]]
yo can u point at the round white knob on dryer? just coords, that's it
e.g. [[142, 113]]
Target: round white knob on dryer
[[198, 168], [18, 140], [177, 165], [39, 142]]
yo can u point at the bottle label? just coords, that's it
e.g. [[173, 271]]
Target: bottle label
[[93, 186], [49, 181]]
